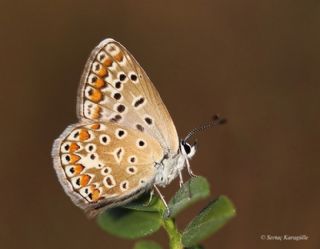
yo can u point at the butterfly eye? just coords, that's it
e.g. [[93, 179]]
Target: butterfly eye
[[187, 147]]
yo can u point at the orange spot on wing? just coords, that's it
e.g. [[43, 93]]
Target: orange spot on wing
[[74, 147], [74, 158], [84, 180], [84, 135], [118, 57], [95, 126], [99, 83], [107, 62], [95, 195], [78, 168], [96, 112], [95, 95], [102, 72]]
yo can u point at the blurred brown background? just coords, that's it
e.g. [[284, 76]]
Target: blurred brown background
[[255, 62]]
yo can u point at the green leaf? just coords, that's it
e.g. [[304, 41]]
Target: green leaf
[[208, 221], [190, 192], [129, 224], [144, 204], [147, 244]]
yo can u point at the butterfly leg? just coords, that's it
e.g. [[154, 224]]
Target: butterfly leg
[[161, 196], [180, 179], [150, 198], [189, 168]]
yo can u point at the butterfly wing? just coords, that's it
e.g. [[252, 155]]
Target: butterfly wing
[[105, 165], [115, 88]]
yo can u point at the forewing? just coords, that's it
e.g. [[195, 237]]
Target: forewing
[[115, 88], [105, 165]]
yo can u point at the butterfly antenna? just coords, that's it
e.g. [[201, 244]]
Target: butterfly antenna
[[216, 120]]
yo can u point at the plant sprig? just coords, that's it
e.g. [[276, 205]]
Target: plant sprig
[[139, 219]]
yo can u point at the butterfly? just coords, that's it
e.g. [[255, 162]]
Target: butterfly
[[125, 142]]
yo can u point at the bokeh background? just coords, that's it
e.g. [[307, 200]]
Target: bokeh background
[[254, 62]]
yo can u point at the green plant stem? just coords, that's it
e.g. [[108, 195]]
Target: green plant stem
[[173, 233]]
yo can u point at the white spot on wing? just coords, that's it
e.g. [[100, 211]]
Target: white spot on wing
[[106, 171], [74, 136], [121, 133], [109, 181], [90, 148], [121, 75], [75, 181], [139, 102], [102, 56], [68, 171], [96, 66], [112, 49], [65, 159], [124, 185], [131, 170], [63, 147], [118, 154], [142, 182], [85, 191], [141, 144], [134, 77], [104, 139], [132, 159]]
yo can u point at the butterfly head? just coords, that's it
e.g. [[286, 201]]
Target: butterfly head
[[187, 149]]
